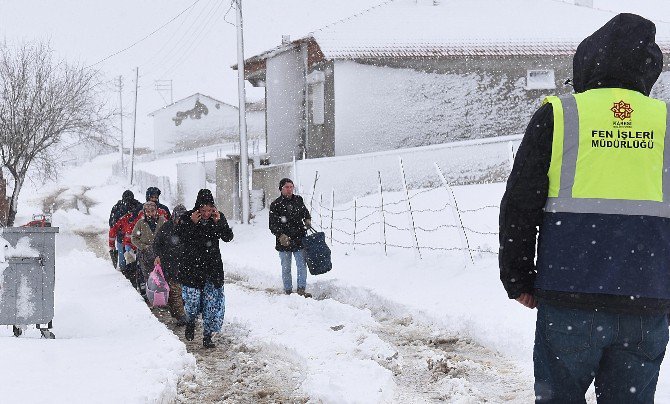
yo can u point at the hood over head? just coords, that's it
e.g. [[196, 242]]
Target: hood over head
[[127, 195], [153, 191], [621, 54], [204, 198]]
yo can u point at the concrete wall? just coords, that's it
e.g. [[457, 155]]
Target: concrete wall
[[390, 104], [465, 162], [143, 180], [267, 178], [190, 179], [321, 138], [284, 106], [226, 182]]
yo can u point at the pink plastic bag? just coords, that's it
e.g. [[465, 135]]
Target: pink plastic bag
[[158, 289]]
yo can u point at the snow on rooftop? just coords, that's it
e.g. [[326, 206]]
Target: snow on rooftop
[[474, 27]]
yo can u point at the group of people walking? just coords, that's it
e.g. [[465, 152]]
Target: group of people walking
[[599, 275], [186, 246], [185, 243]]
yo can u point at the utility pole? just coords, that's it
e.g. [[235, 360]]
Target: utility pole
[[132, 149], [123, 169], [164, 85], [244, 152]]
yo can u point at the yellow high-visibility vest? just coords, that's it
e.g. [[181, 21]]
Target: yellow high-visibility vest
[[609, 154]]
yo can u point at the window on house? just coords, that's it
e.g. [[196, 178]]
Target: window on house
[[316, 82], [540, 80]]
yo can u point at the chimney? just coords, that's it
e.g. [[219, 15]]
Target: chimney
[[285, 39], [584, 3]]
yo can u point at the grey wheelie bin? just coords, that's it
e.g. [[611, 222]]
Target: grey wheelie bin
[[27, 278]]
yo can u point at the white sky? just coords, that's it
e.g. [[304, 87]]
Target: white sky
[[196, 50]]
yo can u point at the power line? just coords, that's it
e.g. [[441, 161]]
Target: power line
[[232, 2], [613, 12], [166, 56], [183, 39], [351, 17], [147, 36], [169, 40], [193, 45]]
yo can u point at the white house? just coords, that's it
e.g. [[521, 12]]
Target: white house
[[419, 72], [200, 120]]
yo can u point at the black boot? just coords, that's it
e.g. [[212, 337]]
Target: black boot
[[181, 321], [189, 333], [207, 342], [301, 292]]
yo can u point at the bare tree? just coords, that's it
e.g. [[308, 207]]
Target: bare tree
[[42, 100]]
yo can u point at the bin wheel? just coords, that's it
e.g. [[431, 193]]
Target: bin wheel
[[17, 331], [47, 334]]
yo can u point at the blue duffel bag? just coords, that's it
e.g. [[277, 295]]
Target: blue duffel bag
[[317, 252]]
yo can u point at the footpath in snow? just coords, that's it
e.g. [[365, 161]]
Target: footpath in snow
[[109, 348], [380, 329]]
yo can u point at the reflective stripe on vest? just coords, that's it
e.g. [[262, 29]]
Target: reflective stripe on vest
[[620, 163]]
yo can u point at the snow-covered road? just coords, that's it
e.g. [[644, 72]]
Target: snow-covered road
[[380, 329]]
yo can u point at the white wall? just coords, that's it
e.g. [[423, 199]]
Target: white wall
[[190, 179], [471, 161], [218, 125], [284, 92], [384, 108], [256, 125]]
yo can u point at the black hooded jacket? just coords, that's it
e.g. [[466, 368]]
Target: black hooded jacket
[[621, 54], [201, 257]]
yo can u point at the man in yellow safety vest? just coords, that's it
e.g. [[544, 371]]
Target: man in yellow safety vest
[[593, 174]]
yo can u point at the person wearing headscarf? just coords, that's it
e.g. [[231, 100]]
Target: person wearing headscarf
[[142, 237], [201, 270]]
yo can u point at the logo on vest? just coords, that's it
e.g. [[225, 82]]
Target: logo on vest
[[622, 110]]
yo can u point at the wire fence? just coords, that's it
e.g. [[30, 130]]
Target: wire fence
[[425, 220]]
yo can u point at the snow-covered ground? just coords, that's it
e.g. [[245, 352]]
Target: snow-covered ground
[[379, 328], [108, 347]]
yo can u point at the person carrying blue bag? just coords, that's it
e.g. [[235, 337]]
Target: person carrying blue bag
[[289, 220]]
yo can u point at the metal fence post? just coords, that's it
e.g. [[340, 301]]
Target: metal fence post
[[465, 245], [311, 199], [409, 206], [353, 241], [320, 211], [332, 214], [383, 217]]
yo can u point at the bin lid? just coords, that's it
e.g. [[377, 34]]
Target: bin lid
[[23, 260], [28, 230]]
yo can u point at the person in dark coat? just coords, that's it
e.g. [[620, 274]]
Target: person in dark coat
[[169, 250], [121, 207], [201, 271], [289, 219], [601, 282], [153, 194]]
